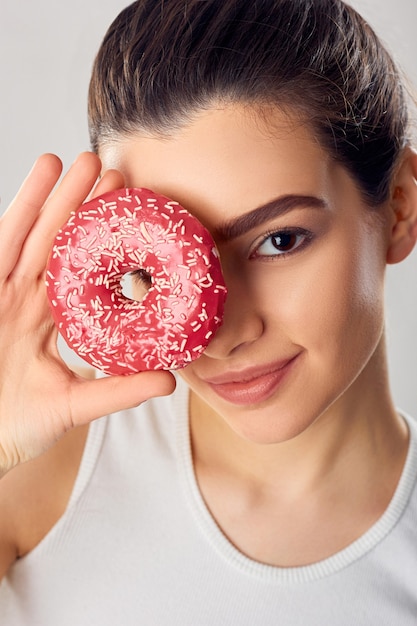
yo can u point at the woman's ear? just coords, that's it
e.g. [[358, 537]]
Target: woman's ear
[[403, 209]]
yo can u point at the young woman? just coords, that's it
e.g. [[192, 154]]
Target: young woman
[[277, 483]]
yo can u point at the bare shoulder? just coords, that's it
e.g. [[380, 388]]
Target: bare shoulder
[[34, 495]]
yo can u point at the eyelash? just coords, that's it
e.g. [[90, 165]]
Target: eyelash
[[141, 276], [299, 238]]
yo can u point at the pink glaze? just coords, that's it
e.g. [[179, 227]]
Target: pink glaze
[[117, 233]]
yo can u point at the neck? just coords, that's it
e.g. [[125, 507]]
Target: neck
[[311, 496]]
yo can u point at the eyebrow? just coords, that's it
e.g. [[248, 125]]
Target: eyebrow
[[279, 206]]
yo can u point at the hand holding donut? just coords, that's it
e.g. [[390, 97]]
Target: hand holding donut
[[40, 397]]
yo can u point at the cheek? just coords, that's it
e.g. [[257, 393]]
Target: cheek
[[332, 299]]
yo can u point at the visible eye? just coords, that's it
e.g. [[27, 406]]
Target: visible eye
[[282, 242]]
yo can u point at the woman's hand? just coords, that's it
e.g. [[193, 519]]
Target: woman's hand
[[40, 397]]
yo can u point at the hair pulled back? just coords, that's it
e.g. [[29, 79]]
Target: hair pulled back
[[163, 60]]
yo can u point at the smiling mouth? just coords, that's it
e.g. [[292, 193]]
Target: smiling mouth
[[251, 386]]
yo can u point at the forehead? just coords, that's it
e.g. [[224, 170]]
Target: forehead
[[229, 159]]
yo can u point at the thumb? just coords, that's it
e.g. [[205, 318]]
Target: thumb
[[95, 398]]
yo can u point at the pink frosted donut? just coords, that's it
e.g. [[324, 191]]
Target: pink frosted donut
[[120, 232]]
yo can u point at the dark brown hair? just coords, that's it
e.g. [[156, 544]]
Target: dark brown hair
[[163, 60]]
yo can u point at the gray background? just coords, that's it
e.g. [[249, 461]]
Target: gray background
[[46, 52]]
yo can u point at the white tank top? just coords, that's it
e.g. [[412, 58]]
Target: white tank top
[[138, 547]]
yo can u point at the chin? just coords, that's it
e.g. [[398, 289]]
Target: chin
[[266, 426]]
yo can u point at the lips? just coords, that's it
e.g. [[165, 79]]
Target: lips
[[252, 385]]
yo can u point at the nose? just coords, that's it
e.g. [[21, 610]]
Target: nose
[[241, 326]]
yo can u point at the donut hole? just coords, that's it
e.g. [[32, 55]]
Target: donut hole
[[136, 284]]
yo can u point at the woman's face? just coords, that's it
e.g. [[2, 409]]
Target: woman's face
[[303, 259]]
